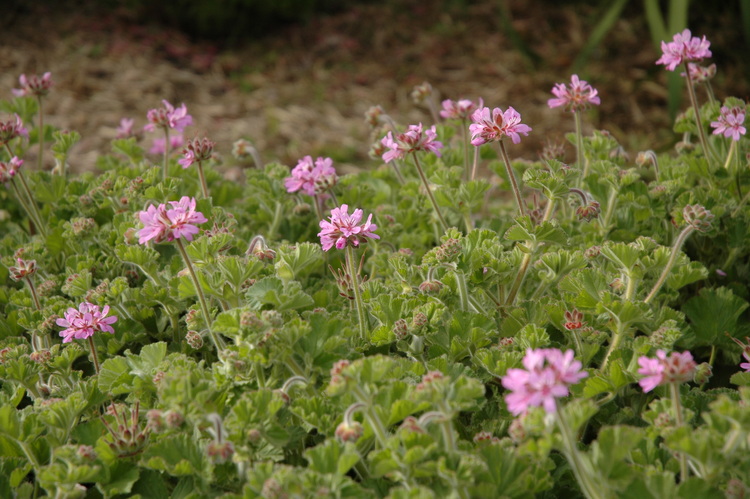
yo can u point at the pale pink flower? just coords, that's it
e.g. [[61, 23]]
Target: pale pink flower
[[412, 140], [493, 125], [746, 365], [730, 123], [168, 117], [9, 169], [547, 375], [84, 322], [683, 47], [157, 146], [345, 229], [9, 130], [677, 368], [162, 223], [196, 150], [312, 177], [33, 85], [125, 129], [459, 110], [699, 73], [576, 97]]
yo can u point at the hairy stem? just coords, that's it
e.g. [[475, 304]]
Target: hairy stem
[[696, 109], [165, 161], [93, 354], [675, 389], [204, 186], [354, 274], [670, 263], [426, 184], [512, 177]]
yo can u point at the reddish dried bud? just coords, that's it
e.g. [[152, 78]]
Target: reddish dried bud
[[485, 436], [448, 251], [592, 252], [504, 343], [253, 436], [339, 367], [155, 420], [46, 288], [158, 377], [419, 321], [220, 452], [22, 269], [431, 287], [41, 356], [573, 320], [174, 418], [736, 489], [349, 432], [194, 339], [87, 452], [617, 284], [400, 329], [411, 424], [588, 211], [405, 252]]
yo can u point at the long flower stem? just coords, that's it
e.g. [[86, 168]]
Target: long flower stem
[[378, 428], [512, 177], [592, 487], [165, 161], [93, 354], [675, 389], [670, 263], [354, 274], [32, 204], [582, 164], [397, 171], [426, 184], [22, 199], [616, 338], [463, 290], [475, 164], [217, 341], [465, 137], [694, 102], [41, 134], [204, 186]]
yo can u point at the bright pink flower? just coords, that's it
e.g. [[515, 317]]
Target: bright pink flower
[[345, 229], [493, 125], [312, 177], [84, 322], [684, 47], [168, 117], [162, 223], [412, 140], [196, 150], [125, 129], [9, 130], [33, 85], [677, 368], [459, 110], [547, 375], [8, 170], [576, 97], [157, 146], [746, 365], [730, 123]]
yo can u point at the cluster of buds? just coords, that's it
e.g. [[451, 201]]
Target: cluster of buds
[[697, 217], [12, 129], [194, 319], [573, 320], [337, 372], [41, 356], [94, 295], [260, 250], [431, 287], [242, 150], [22, 269], [82, 226], [9, 169], [127, 438], [343, 282], [505, 343], [400, 329], [194, 339], [592, 252], [219, 450], [251, 321], [35, 85], [589, 211], [484, 437], [429, 379], [422, 93], [448, 251], [196, 151], [349, 432], [411, 424], [161, 420], [418, 321]]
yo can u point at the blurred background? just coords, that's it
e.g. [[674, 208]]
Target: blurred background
[[295, 77]]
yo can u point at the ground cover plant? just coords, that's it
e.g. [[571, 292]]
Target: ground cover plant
[[411, 330]]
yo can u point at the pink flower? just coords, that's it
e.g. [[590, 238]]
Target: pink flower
[[9, 130], [33, 85], [746, 365], [157, 146], [684, 47], [125, 129], [8, 170], [730, 123], [168, 117], [84, 322], [699, 73], [412, 140], [577, 97], [162, 223], [677, 368], [346, 229], [459, 110], [547, 375], [196, 150], [490, 126], [312, 177]]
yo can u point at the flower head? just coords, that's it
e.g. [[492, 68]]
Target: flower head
[[412, 140], [459, 110], [22, 269], [84, 322], [33, 85], [547, 375], [196, 150], [730, 123], [162, 223], [9, 169], [168, 117], [677, 368], [345, 229], [493, 125], [683, 47], [576, 97], [11, 129], [125, 129], [312, 177]]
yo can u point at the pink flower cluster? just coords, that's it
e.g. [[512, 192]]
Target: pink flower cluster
[[9, 169], [493, 125], [84, 322], [196, 150], [412, 140], [459, 110], [677, 368], [161, 223], [9, 130], [576, 97], [33, 85], [683, 48], [547, 375], [168, 117], [312, 177], [730, 123], [345, 229]]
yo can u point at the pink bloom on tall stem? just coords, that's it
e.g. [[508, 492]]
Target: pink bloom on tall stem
[[459, 110], [576, 97], [412, 140], [730, 123], [677, 368], [344, 229], [547, 375], [196, 150], [168, 117], [11, 129], [161, 223], [84, 322], [493, 125], [683, 47], [33, 85], [312, 177]]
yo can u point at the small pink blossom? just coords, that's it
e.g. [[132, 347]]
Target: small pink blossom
[[157, 146], [412, 140], [33, 85], [576, 97], [459, 110], [683, 48], [730, 123], [196, 150], [84, 322], [345, 229], [746, 365], [9, 169], [547, 375], [677, 368], [162, 223], [312, 177], [699, 73], [168, 117], [11, 129], [125, 129], [493, 125]]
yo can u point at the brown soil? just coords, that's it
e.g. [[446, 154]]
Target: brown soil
[[305, 89]]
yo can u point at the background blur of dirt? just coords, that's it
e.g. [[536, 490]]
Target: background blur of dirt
[[304, 89]]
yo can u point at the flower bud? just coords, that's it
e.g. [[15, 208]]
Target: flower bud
[[349, 432], [220, 452], [573, 320], [400, 329], [22, 269], [698, 217], [703, 373], [431, 287], [174, 418], [194, 339]]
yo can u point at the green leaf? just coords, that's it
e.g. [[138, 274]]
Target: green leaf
[[122, 477], [114, 376], [272, 291], [713, 313], [332, 457]]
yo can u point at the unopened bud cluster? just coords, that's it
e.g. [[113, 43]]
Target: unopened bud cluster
[[698, 217], [22, 269]]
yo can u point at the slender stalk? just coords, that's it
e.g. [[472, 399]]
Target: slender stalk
[[611, 203], [463, 290], [41, 134], [475, 163], [93, 354], [426, 184], [204, 186], [353, 272], [630, 290], [675, 390], [35, 299], [730, 154], [581, 163], [165, 161], [670, 263], [275, 222], [333, 197], [378, 428], [619, 333], [397, 171], [446, 428], [217, 341], [512, 177], [32, 204], [465, 137], [694, 102], [592, 487]]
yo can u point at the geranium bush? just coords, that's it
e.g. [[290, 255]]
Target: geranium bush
[[411, 330]]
